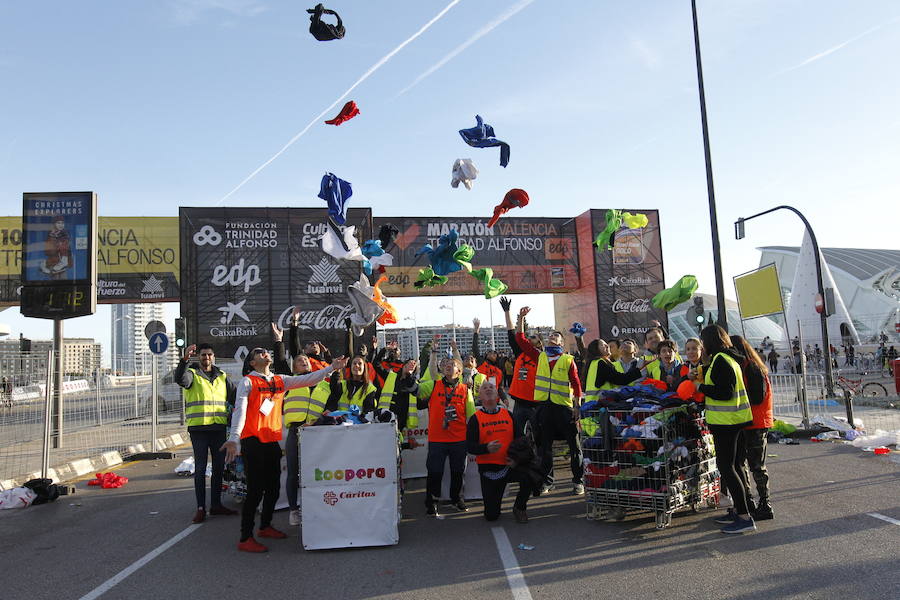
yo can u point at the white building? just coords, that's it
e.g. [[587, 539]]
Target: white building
[[130, 352], [868, 281]]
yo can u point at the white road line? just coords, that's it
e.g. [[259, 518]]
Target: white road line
[[511, 565], [884, 518], [124, 573]]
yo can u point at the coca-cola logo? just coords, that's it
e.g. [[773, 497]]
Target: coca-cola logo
[[328, 317], [638, 305]]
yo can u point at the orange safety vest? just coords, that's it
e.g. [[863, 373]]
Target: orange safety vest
[[493, 373], [265, 427], [497, 427], [522, 386], [315, 364], [456, 430]]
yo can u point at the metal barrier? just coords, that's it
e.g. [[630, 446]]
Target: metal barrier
[[99, 414]]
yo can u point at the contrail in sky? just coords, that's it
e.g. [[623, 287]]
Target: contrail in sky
[[328, 109], [512, 10], [834, 49]]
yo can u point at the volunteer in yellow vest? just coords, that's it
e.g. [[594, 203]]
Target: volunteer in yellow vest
[[603, 374], [727, 413], [400, 395], [557, 389], [208, 396], [652, 338], [450, 405], [256, 424], [302, 407], [488, 436], [357, 389]]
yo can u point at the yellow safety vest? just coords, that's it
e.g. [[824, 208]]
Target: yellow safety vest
[[553, 386], [305, 404], [387, 394], [735, 410], [205, 401], [477, 379], [591, 391], [357, 399]]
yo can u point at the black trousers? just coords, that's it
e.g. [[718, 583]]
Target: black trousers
[[208, 442], [262, 466], [556, 422], [523, 411], [492, 490], [438, 452], [727, 439], [752, 456]]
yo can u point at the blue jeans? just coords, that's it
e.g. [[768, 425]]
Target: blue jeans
[[292, 458]]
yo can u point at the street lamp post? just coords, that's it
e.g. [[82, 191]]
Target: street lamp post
[[722, 319], [415, 333], [452, 309], [820, 283]]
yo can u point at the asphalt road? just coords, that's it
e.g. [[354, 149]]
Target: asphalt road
[[823, 544]]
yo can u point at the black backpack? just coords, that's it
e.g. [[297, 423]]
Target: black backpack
[[46, 490], [322, 31]]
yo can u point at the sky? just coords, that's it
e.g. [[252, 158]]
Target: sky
[[156, 105]]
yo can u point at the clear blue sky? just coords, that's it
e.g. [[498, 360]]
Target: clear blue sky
[[159, 104]]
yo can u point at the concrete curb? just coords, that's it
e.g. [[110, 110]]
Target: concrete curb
[[84, 466]]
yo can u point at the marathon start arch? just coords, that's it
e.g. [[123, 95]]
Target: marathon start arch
[[243, 268]]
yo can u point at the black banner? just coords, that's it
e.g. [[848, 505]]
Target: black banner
[[628, 276], [244, 268]]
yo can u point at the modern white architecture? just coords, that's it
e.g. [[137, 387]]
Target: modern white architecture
[[130, 352]]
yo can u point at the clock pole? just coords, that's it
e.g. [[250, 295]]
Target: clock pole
[[57, 382]]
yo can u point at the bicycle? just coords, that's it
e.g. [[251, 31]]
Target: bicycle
[[856, 387]]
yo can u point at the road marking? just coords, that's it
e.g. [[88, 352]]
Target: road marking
[[513, 574], [884, 518], [124, 573]]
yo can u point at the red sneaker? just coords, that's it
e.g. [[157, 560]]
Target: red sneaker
[[271, 532], [251, 545]]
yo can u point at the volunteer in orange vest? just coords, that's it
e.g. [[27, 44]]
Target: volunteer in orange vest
[[558, 389], [450, 405], [522, 388], [752, 446], [489, 367], [489, 433], [256, 423]]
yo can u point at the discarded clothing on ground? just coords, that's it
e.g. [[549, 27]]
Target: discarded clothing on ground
[[108, 480], [322, 31], [482, 136], [464, 172], [17, 497], [675, 295], [336, 192], [514, 198], [349, 111]]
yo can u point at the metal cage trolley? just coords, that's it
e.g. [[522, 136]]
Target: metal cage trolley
[[648, 459]]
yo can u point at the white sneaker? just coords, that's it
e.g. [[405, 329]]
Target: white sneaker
[[294, 518], [578, 489]]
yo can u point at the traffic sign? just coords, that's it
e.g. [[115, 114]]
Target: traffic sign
[[159, 343], [154, 327]]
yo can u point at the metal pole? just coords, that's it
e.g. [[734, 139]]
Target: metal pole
[[154, 401], [491, 308], [57, 382], [820, 284], [48, 391], [136, 408], [453, 316], [722, 319], [99, 405], [804, 404]]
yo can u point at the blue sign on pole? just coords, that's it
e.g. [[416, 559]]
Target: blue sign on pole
[[159, 343]]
